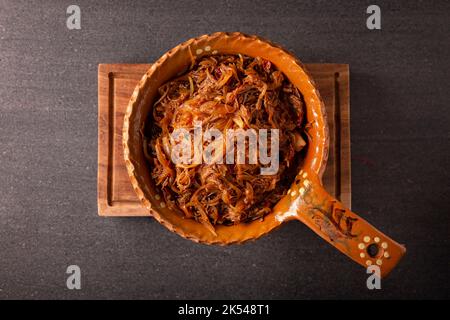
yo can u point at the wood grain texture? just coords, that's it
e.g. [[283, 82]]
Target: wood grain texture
[[116, 83]]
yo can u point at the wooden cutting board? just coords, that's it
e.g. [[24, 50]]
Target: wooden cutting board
[[116, 83]]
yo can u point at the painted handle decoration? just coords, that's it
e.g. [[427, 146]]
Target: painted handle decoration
[[342, 228]]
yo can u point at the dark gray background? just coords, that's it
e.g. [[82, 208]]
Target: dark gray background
[[48, 151]]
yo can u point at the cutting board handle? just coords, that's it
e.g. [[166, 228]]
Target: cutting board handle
[[342, 228]]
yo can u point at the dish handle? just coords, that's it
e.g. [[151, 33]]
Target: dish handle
[[342, 228]]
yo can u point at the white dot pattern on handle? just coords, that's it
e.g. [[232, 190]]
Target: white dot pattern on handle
[[366, 239]]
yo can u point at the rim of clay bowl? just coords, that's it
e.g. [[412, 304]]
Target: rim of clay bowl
[[175, 62]]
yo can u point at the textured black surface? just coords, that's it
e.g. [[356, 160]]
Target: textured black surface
[[48, 151]]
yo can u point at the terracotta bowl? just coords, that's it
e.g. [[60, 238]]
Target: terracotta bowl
[[306, 200]]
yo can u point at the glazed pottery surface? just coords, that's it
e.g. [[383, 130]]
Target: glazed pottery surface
[[306, 200]]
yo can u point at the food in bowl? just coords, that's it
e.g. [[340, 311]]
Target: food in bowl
[[225, 93]]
